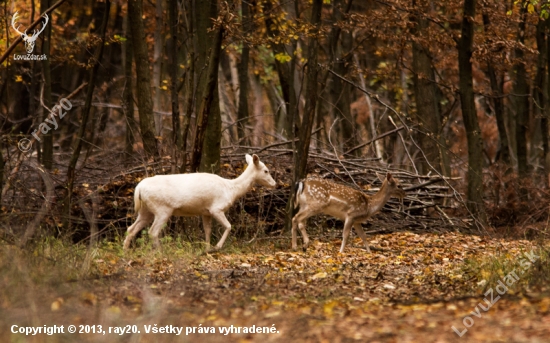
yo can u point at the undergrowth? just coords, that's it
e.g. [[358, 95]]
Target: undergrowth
[[526, 271]]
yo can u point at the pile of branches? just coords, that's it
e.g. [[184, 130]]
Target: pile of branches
[[431, 204], [103, 197]]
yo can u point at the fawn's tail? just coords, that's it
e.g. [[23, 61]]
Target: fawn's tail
[[299, 187]]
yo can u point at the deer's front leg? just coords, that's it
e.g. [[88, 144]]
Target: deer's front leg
[[299, 222], [347, 228], [207, 224], [220, 217], [294, 238]]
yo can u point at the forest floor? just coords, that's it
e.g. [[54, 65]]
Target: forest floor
[[416, 291]]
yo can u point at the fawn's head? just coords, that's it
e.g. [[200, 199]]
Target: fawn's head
[[394, 189], [261, 173]]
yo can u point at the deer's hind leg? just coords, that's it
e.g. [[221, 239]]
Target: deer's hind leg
[[144, 217], [298, 221], [359, 229], [156, 228]]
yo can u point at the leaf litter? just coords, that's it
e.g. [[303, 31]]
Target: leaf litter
[[416, 290]]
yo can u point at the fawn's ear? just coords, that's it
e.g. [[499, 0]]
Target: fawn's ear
[[380, 177], [389, 177], [255, 159]]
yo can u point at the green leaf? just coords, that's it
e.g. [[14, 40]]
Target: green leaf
[[120, 38], [283, 57]]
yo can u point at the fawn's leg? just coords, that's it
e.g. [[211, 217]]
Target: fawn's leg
[[347, 228], [359, 229], [299, 221]]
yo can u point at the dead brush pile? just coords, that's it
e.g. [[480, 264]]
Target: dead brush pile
[[428, 206], [104, 195]]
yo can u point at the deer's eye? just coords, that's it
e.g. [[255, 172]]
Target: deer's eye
[[265, 171]]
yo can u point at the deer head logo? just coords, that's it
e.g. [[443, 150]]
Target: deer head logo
[[29, 40]]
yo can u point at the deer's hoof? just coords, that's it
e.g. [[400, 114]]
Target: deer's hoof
[[214, 249]]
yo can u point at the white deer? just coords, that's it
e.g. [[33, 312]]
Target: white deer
[[197, 194], [316, 196], [29, 40]]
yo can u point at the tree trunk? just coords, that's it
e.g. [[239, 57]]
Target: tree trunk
[[546, 114], [47, 145], [473, 133], [2, 166], [302, 151], [143, 83], [285, 71], [176, 133], [128, 92], [339, 51], [427, 101], [496, 88], [206, 114], [157, 66], [540, 91], [85, 114], [521, 91], [242, 112], [189, 81], [207, 105]]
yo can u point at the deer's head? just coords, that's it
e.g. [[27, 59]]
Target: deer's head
[[395, 189], [261, 173], [29, 39]]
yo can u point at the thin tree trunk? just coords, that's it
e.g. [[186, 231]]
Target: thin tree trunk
[[2, 166], [85, 114], [496, 88], [157, 65], [302, 152], [427, 101], [242, 112], [190, 80], [539, 90], [128, 92], [285, 71], [339, 92], [47, 145], [206, 103], [546, 114], [143, 83], [207, 45], [176, 133], [473, 133], [34, 72], [521, 91]]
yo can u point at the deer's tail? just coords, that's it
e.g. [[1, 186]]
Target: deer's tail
[[137, 200], [299, 188]]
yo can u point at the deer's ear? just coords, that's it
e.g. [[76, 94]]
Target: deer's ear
[[380, 177], [388, 176], [248, 159], [255, 159]]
